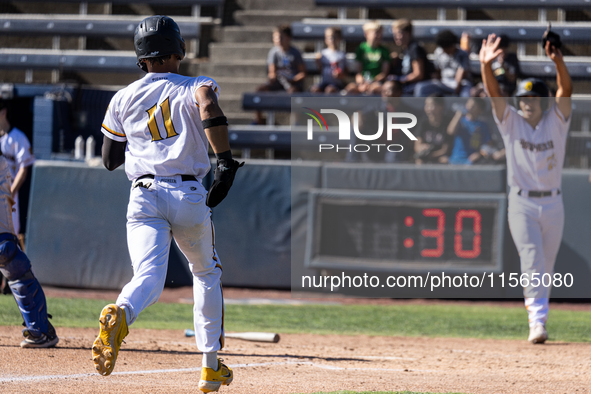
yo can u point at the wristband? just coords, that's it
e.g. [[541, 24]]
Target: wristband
[[212, 122], [227, 155]]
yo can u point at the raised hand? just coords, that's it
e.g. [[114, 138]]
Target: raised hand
[[552, 52], [490, 49]]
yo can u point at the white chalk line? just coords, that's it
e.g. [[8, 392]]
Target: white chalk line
[[249, 365]]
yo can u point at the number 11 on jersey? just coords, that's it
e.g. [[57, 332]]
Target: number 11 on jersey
[[153, 127]]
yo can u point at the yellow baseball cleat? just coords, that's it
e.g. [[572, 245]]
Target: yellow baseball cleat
[[212, 380], [106, 346]]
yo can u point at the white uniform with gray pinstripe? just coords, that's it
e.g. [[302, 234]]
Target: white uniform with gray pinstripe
[[159, 119], [534, 164]]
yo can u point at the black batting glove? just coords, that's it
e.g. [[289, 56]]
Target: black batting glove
[[223, 177]]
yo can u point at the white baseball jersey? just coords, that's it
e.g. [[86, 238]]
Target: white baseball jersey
[[534, 156], [534, 163], [16, 148], [159, 118], [160, 121]]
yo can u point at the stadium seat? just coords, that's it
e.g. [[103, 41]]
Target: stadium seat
[[88, 25], [427, 30]]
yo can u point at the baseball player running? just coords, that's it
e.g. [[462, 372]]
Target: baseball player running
[[159, 126], [16, 267], [534, 135]]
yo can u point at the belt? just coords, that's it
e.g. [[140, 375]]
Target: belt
[[184, 177], [533, 193]]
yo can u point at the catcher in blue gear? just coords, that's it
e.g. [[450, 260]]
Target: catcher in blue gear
[[16, 267]]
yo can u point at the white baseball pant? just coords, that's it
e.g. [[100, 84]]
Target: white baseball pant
[[536, 225], [171, 208]]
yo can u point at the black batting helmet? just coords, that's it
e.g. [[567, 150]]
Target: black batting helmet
[[157, 36], [532, 87]]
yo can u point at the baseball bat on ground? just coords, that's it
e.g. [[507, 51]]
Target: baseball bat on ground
[[246, 336]]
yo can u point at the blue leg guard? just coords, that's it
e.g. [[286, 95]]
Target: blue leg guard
[[27, 291]]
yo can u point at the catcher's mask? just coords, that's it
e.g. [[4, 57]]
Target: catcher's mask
[[157, 36], [532, 87]]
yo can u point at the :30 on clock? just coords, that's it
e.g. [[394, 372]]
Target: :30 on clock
[[382, 230]]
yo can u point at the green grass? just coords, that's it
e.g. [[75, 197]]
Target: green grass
[[393, 320]]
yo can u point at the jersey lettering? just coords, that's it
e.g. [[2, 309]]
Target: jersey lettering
[[168, 125], [544, 146]]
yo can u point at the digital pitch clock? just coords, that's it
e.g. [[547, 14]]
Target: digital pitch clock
[[405, 231]]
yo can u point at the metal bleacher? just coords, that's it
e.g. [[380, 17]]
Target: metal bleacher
[[194, 4], [88, 25], [427, 30], [520, 32], [97, 25], [442, 5], [76, 25]]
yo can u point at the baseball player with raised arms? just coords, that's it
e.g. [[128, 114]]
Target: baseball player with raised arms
[[159, 126], [534, 135]]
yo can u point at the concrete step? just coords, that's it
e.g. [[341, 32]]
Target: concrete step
[[234, 85], [277, 4], [275, 17], [246, 69], [247, 34], [233, 51], [239, 118], [231, 102]]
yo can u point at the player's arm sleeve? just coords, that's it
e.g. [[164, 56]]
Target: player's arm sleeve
[[508, 116], [564, 122], [113, 153], [205, 81], [112, 127], [209, 108]]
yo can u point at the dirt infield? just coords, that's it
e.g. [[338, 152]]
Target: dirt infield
[[165, 361]]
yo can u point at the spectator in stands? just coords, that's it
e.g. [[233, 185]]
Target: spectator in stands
[[453, 65], [470, 132], [478, 91], [433, 143], [411, 65], [391, 101], [494, 151], [373, 62], [332, 63], [467, 44], [286, 68], [506, 68]]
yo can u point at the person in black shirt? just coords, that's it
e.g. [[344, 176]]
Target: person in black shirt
[[433, 143], [411, 65]]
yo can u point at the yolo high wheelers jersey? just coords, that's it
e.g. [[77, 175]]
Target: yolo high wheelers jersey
[[159, 118], [534, 156]]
